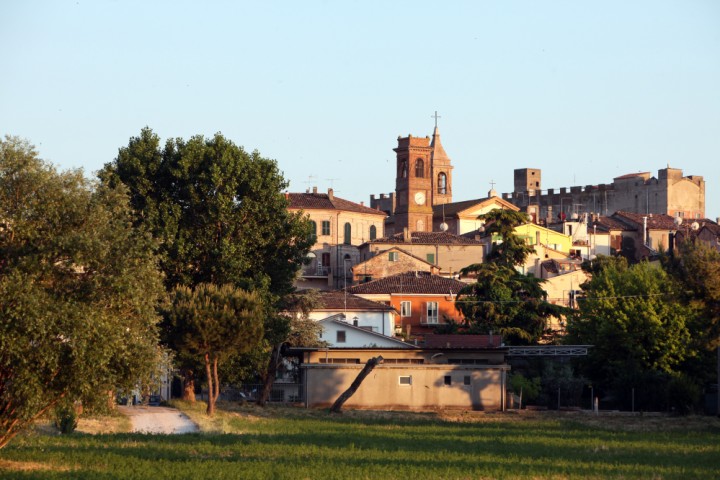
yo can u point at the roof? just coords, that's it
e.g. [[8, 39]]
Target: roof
[[643, 175], [335, 300], [655, 221], [463, 341], [410, 282], [438, 152], [610, 223], [429, 238], [324, 201], [450, 209]]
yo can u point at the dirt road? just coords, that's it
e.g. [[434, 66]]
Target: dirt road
[[158, 420]]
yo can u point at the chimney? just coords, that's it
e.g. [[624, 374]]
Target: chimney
[[314, 189], [362, 204], [287, 196], [407, 237], [330, 194]]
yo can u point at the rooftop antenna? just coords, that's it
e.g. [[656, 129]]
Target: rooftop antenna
[[332, 182]]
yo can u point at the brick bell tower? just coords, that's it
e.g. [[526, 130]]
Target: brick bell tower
[[413, 184], [423, 179]]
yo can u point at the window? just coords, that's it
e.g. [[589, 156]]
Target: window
[[326, 227], [393, 257], [430, 258], [373, 232], [347, 233], [340, 337], [405, 309], [403, 169], [420, 226], [442, 183], [313, 230], [432, 312], [419, 168], [448, 380], [466, 380], [405, 380]]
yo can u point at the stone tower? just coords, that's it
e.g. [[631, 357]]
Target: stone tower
[[423, 179]]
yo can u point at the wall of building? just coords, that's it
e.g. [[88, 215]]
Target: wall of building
[[417, 322], [380, 322], [427, 389], [450, 258], [380, 266]]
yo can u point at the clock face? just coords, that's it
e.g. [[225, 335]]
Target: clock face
[[420, 198]]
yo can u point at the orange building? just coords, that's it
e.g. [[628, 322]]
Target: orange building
[[424, 301]]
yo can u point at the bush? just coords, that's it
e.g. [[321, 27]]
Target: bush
[[683, 395], [66, 419], [530, 388]]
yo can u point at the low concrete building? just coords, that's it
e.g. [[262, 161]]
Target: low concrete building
[[469, 373]]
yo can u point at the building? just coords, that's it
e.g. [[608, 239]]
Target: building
[[356, 311], [450, 372], [449, 252], [390, 262], [670, 193], [340, 226], [423, 179], [462, 217], [423, 300], [338, 333]]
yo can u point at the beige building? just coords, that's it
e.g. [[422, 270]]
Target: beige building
[[462, 217], [409, 379], [669, 193], [449, 252], [391, 262], [340, 227]]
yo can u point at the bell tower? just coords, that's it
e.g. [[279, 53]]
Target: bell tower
[[413, 184]]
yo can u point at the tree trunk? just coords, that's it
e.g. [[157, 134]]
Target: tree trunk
[[208, 373], [369, 366], [216, 380], [270, 376], [188, 386]]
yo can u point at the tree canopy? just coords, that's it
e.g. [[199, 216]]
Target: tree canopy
[[503, 300], [78, 290], [213, 323]]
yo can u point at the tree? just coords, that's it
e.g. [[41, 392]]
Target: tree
[[218, 213], [511, 250], [636, 324], [78, 290], [213, 323], [502, 300]]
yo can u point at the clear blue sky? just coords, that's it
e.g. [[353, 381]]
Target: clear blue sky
[[586, 91]]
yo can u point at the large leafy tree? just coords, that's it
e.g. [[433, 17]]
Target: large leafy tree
[[636, 323], [78, 290], [212, 323], [219, 215], [503, 300]]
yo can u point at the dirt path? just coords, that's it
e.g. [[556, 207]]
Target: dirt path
[[158, 420]]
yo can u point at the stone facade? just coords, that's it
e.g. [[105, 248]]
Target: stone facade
[[669, 193]]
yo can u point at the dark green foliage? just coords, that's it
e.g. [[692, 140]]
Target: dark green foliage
[[511, 250], [78, 290], [211, 324], [528, 387], [683, 395], [505, 302], [66, 419]]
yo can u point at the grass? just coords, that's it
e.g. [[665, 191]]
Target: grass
[[276, 442]]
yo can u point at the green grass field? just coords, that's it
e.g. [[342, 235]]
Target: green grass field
[[251, 443]]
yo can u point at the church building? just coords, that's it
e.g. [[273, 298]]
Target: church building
[[423, 179]]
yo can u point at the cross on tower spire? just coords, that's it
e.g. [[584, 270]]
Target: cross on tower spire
[[436, 116]]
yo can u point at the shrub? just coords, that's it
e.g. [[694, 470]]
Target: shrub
[[66, 419], [683, 395]]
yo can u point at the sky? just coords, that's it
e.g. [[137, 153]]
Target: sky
[[585, 91]]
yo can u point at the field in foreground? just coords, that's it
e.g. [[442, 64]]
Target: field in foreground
[[247, 442]]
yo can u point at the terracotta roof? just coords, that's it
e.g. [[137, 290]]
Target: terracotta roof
[[655, 221], [410, 282], [429, 238], [610, 223], [463, 341], [322, 201], [438, 151], [335, 300], [632, 175], [454, 208]]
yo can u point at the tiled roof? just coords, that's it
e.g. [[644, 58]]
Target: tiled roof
[[450, 209], [322, 201], [463, 341], [655, 221], [632, 175], [410, 282], [336, 301], [610, 223], [429, 238]]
